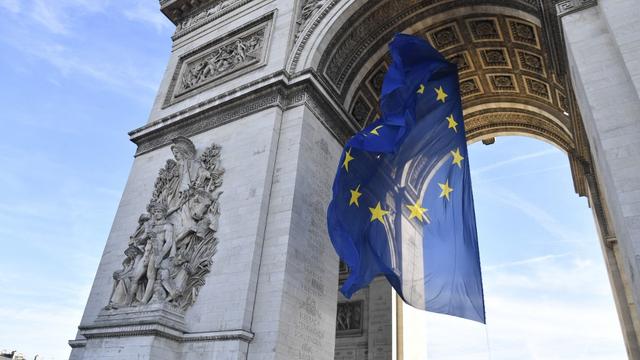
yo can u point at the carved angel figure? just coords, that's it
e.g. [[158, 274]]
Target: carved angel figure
[[171, 250]]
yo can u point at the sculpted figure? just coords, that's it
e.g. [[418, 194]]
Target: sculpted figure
[[309, 7], [122, 278], [171, 250], [163, 246], [137, 274], [240, 51], [140, 235]]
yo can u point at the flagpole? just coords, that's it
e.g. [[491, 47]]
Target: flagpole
[[399, 328]]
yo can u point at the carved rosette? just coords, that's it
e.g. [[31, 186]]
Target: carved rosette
[[170, 252]]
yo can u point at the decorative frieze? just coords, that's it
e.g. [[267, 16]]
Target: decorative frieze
[[204, 116], [213, 11], [567, 7], [231, 55], [349, 318]]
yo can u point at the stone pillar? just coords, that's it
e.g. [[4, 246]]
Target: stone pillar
[[604, 50], [269, 291]]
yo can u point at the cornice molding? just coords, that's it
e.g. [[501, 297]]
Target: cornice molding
[[567, 7], [176, 10], [160, 331], [276, 90], [205, 15]]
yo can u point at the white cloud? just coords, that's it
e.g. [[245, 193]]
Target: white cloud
[[523, 173], [529, 261], [47, 327], [515, 159], [552, 225], [57, 16], [551, 307], [116, 71], [145, 13], [47, 16]]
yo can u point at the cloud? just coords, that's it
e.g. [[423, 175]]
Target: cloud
[[57, 16], [46, 15], [552, 307], [145, 13], [521, 174], [552, 225], [47, 325], [529, 261], [119, 72], [515, 159]]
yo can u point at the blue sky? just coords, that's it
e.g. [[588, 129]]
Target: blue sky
[[78, 74]]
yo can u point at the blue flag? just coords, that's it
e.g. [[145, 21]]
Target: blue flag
[[402, 203]]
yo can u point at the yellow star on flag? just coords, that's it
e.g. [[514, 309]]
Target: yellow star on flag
[[375, 130], [457, 158], [355, 195], [441, 95], [421, 89], [347, 159], [377, 213], [446, 190], [418, 211], [452, 123]]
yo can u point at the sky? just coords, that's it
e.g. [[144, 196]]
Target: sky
[[77, 75]]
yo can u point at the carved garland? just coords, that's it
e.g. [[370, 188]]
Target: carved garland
[[171, 251]]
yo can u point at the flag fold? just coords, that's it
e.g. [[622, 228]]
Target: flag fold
[[402, 203]]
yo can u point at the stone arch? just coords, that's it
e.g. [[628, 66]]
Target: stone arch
[[507, 76], [513, 72]]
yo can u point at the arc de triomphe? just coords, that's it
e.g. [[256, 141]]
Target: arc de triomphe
[[219, 247]]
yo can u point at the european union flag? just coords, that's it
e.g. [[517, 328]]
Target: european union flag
[[402, 203]]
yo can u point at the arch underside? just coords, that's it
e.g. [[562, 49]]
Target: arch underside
[[507, 79], [511, 62]]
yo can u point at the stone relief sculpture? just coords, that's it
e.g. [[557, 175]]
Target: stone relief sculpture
[[349, 317], [309, 7], [171, 250], [221, 60], [213, 11]]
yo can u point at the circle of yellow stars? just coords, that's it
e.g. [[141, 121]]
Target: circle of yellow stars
[[415, 210]]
